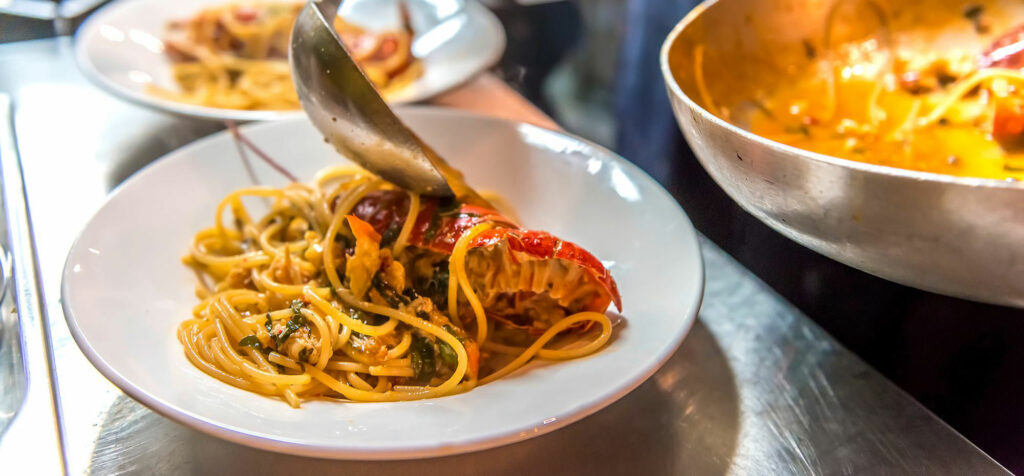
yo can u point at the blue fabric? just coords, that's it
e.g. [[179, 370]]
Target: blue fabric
[[647, 133]]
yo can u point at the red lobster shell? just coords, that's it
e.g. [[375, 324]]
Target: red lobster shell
[[438, 230]]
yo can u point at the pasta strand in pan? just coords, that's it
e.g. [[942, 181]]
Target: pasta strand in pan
[[235, 56], [352, 288]]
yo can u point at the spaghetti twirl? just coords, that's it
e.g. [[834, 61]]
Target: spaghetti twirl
[[352, 288]]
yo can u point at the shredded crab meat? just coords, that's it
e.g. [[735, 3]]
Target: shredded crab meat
[[302, 341]]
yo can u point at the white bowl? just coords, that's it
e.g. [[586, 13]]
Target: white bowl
[[119, 48], [125, 290]]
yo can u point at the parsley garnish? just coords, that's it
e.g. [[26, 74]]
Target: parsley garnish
[[297, 322], [390, 234], [366, 317], [251, 341], [393, 298], [432, 229], [435, 288], [424, 363], [448, 355]]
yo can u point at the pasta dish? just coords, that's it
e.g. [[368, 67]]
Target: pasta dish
[[351, 288], [956, 112], [235, 56]]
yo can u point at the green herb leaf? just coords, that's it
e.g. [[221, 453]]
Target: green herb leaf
[[451, 330], [424, 363], [390, 235], [448, 355], [305, 353], [250, 341], [366, 317], [298, 321], [296, 306], [393, 298], [432, 229], [436, 287]]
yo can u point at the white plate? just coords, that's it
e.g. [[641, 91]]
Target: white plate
[[119, 48], [125, 290]]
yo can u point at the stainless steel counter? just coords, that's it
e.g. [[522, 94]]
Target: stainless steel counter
[[756, 388]]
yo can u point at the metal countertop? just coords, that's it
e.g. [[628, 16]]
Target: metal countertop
[[756, 388]]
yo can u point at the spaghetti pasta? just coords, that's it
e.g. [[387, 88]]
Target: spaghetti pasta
[[339, 291]]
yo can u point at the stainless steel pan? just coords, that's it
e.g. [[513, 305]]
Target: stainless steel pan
[[957, 236]]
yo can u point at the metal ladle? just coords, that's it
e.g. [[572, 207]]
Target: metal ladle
[[350, 113]]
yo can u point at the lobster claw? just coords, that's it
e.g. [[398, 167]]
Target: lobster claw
[[545, 246], [438, 228]]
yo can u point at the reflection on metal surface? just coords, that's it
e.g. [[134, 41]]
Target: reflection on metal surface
[[101, 142], [12, 370], [809, 406], [755, 388], [685, 419], [31, 440]]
